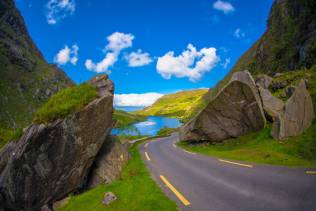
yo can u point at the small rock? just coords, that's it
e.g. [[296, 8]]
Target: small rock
[[271, 105], [109, 197], [264, 81]]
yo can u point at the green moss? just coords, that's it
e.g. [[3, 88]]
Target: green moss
[[135, 191], [65, 102], [124, 119], [7, 135], [183, 105]]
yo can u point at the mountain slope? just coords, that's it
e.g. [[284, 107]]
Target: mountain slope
[[289, 42], [26, 80], [183, 105], [123, 118]]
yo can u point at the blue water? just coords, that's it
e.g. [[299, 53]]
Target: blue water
[[149, 127]]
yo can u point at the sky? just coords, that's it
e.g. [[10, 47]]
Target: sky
[[148, 47]]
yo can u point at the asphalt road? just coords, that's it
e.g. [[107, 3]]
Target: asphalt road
[[198, 182]]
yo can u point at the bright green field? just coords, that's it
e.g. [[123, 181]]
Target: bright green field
[[262, 148], [136, 191], [183, 105]]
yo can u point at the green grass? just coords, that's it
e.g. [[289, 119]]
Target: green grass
[[123, 118], [166, 131], [65, 102], [183, 105], [262, 148], [136, 191], [7, 135]]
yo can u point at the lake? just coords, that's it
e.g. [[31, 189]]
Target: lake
[[150, 127]]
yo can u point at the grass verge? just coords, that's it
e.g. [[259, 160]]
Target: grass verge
[[136, 191], [262, 148]]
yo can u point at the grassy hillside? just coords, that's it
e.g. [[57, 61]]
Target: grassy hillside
[[183, 105], [135, 191], [123, 118], [289, 42], [26, 80]]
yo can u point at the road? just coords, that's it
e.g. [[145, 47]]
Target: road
[[198, 182]]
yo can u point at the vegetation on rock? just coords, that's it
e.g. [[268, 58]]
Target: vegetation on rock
[[65, 102], [289, 42], [183, 105], [7, 135]]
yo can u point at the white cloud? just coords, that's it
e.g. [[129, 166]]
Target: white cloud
[[66, 55], [59, 9], [226, 63], [223, 6], [119, 41], [138, 59], [145, 99], [116, 43], [191, 63], [239, 33]]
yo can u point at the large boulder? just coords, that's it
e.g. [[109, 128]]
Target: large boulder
[[264, 81], [296, 116], [109, 162], [272, 106], [50, 161], [235, 111]]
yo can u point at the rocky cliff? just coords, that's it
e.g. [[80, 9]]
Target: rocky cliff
[[26, 80], [52, 160], [289, 42]]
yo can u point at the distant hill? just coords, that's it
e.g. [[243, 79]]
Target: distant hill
[[183, 105], [289, 42], [123, 118], [26, 79]]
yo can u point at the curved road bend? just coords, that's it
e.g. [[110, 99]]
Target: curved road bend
[[198, 182]]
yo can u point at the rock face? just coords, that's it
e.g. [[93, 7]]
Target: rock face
[[296, 116], [235, 111], [109, 162], [264, 81], [272, 106], [50, 161]]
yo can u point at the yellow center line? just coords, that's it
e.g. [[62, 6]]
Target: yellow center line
[[177, 193], [235, 163], [147, 156], [310, 172]]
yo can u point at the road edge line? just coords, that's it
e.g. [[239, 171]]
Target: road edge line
[[235, 163], [147, 156]]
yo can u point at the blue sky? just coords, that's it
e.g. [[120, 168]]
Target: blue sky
[[140, 43]]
